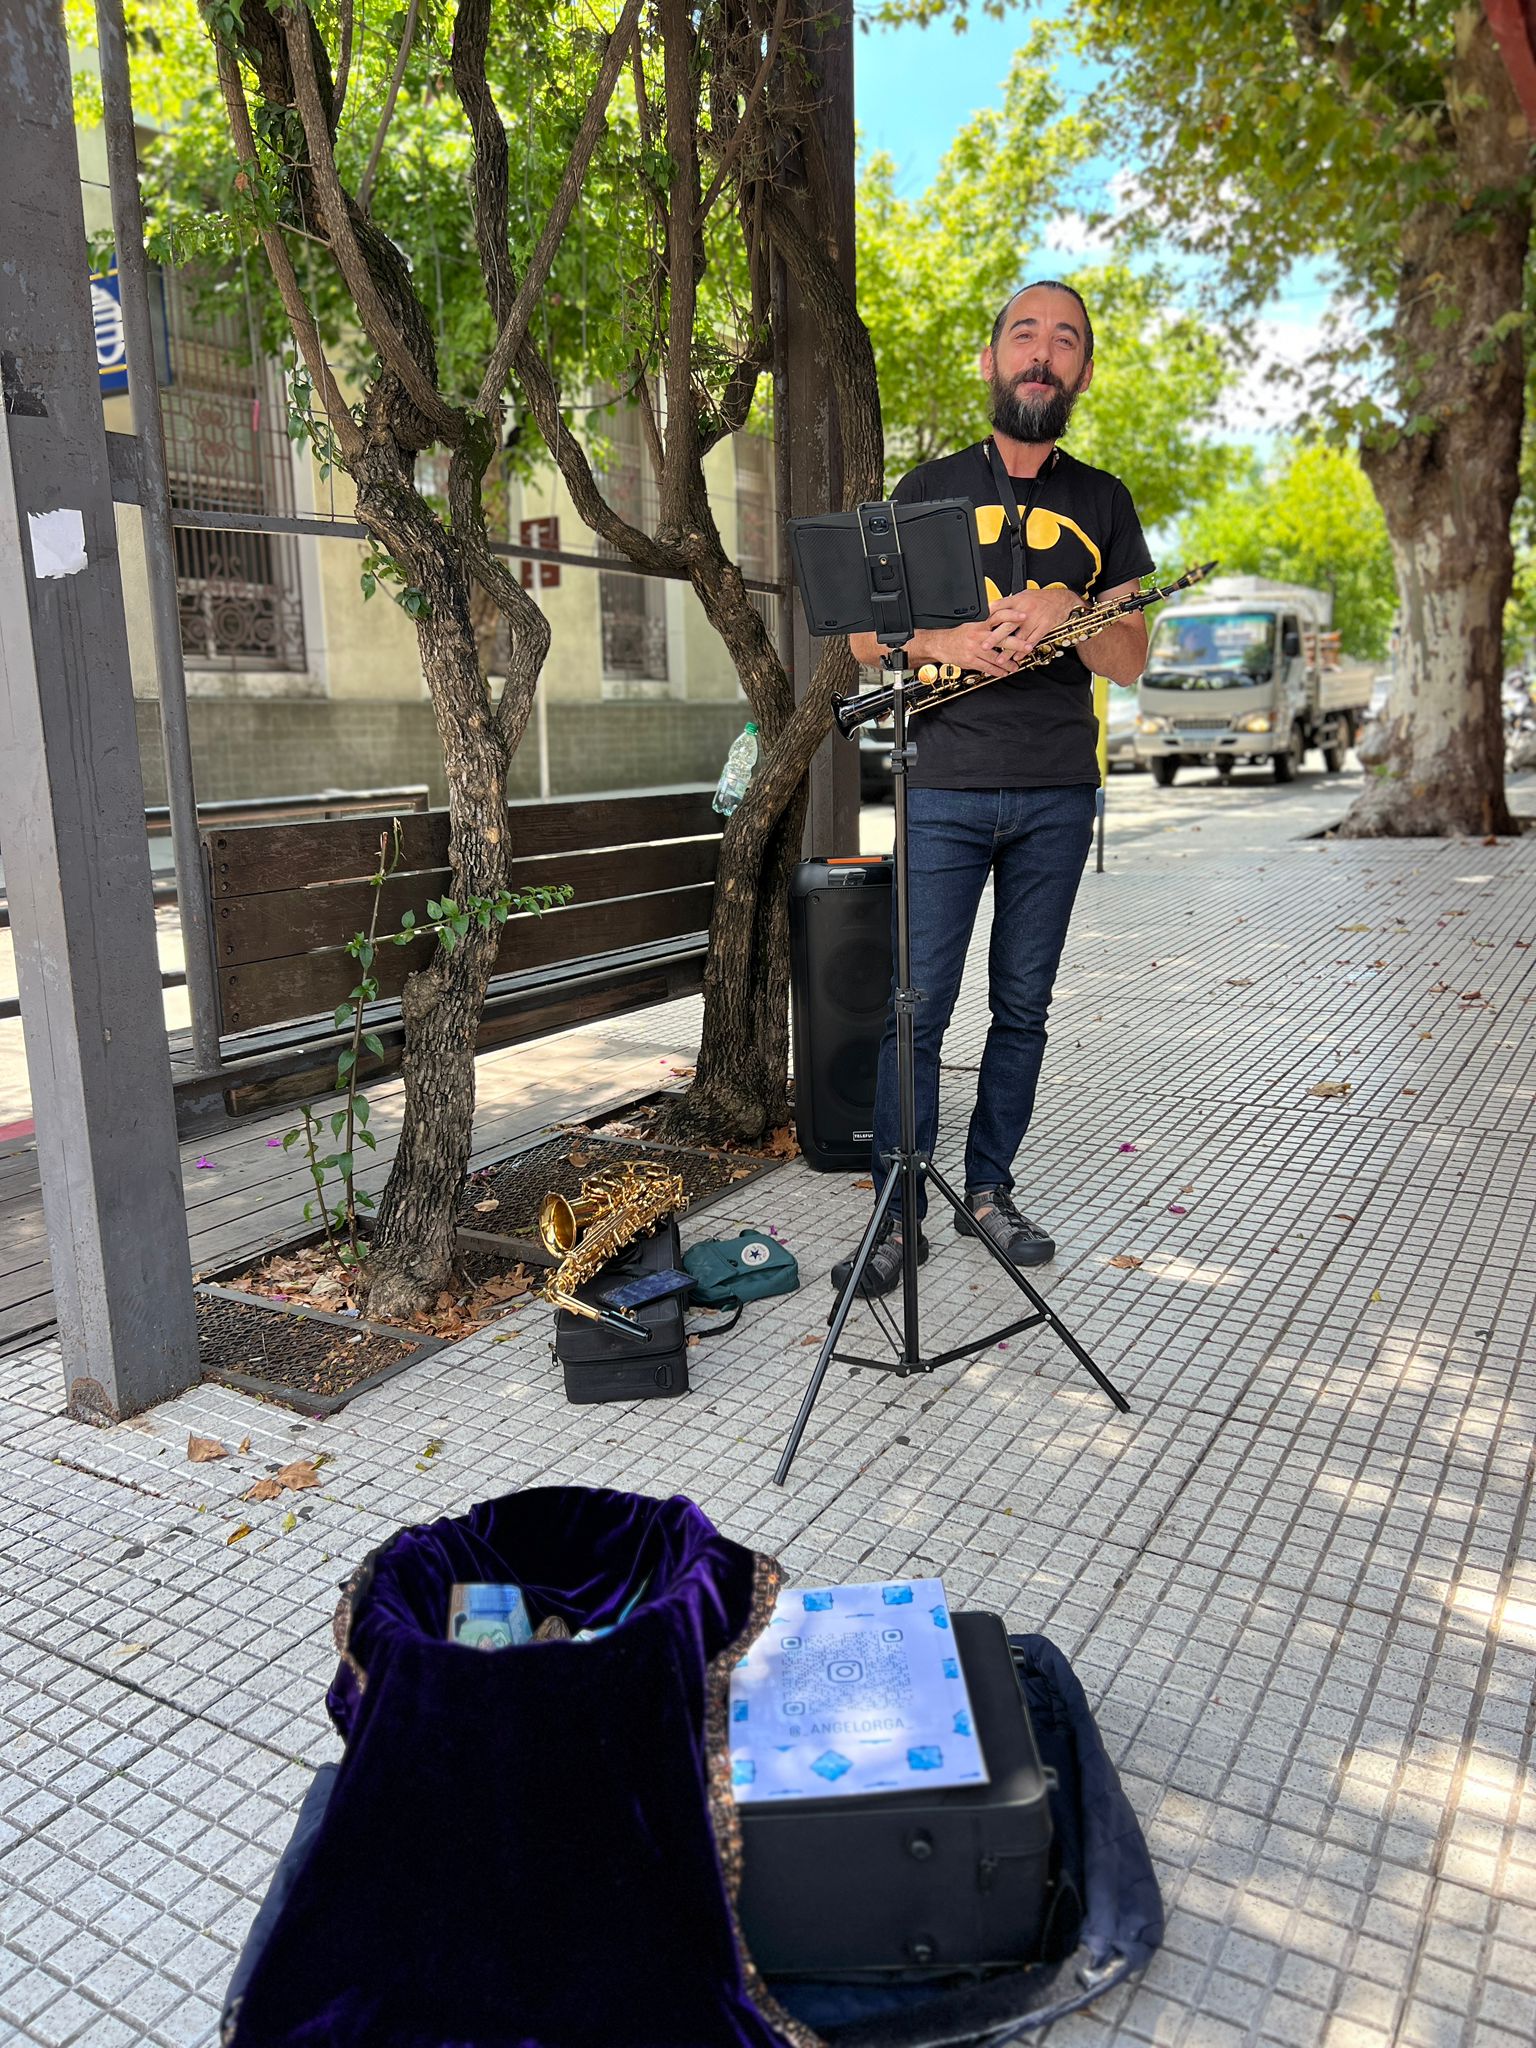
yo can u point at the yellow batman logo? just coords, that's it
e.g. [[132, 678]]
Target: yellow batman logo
[[1043, 531]]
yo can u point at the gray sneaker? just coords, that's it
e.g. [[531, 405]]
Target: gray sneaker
[[991, 1210], [882, 1270]]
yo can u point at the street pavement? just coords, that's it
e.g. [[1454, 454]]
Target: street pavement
[[1285, 1142]]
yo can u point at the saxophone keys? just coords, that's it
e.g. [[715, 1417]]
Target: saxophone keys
[[928, 673]]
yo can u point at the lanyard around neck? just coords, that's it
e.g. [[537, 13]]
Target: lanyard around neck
[[1018, 528]]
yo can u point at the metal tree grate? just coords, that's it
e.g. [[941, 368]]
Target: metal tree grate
[[558, 1165], [302, 1356]]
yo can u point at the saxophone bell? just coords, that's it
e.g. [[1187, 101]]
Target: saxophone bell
[[561, 1222]]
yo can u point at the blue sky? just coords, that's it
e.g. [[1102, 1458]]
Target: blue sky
[[914, 88]]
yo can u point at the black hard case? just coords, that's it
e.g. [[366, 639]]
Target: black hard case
[[604, 1365], [911, 1883]]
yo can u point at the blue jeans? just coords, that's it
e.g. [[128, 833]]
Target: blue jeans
[[1034, 843]]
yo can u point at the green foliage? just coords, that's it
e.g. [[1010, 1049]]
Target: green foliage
[[1309, 517], [1267, 133], [934, 271], [599, 316]]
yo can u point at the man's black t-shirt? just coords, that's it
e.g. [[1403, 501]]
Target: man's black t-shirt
[[1036, 731]]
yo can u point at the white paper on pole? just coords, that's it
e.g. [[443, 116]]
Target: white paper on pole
[[58, 542], [853, 1689]]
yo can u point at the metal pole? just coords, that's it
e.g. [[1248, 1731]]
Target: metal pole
[[159, 543], [906, 1050], [71, 792]]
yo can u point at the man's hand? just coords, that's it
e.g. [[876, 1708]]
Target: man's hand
[[1018, 624]]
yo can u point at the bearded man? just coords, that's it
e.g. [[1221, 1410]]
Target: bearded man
[[1004, 777]]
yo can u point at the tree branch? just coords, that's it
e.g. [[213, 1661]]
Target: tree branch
[[382, 329], [409, 36], [739, 135], [592, 508], [683, 263], [307, 335], [593, 122], [343, 61], [488, 139]]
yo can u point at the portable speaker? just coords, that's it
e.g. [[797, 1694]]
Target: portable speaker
[[840, 977]]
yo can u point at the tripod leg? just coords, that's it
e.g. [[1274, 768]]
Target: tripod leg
[[1038, 1299], [840, 1316]]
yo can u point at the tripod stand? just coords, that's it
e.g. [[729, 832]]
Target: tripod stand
[[909, 1168]]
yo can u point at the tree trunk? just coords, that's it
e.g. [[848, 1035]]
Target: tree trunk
[[414, 1245], [1448, 492]]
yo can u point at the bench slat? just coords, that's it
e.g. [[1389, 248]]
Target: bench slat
[[278, 923], [311, 984], [245, 860]]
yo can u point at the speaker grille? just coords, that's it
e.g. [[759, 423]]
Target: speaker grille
[[840, 942]]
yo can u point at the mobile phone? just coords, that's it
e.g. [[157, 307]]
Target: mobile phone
[[645, 1287]]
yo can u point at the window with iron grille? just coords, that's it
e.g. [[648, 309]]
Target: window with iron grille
[[632, 609], [756, 550], [227, 450]]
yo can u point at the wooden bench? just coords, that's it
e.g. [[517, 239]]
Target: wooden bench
[[286, 898]]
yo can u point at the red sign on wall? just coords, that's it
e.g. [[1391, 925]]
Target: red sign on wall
[[540, 533]]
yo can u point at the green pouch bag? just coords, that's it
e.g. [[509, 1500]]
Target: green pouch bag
[[728, 1272]]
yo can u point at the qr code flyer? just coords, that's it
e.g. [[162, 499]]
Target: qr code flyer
[[853, 1689]]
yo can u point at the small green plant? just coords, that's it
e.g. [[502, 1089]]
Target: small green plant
[[331, 1143]]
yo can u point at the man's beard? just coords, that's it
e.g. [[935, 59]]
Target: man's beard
[[1032, 419]]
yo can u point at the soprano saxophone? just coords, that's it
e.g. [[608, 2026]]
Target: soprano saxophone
[[937, 684], [612, 1209]]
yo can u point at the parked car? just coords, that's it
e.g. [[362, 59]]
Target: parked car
[[1120, 749], [875, 742]]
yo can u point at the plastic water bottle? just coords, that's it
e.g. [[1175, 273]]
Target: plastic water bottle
[[737, 772]]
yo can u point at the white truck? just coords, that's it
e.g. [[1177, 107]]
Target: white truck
[[1246, 669]]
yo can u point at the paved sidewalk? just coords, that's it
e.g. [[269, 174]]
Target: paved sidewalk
[[1297, 1580]]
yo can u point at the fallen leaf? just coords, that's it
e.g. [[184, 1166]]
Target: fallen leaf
[[693, 1340], [298, 1475], [1375, 1294], [238, 1535], [1331, 1088], [245, 1445], [128, 1649], [863, 1183], [290, 1522], [1410, 1091], [1127, 1148], [1175, 1210], [1353, 927], [1340, 1217], [485, 1208], [814, 1338], [1126, 1259], [1238, 982], [264, 1489], [206, 1165], [434, 1445], [444, 1301], [1490, 842], [202, 1450]]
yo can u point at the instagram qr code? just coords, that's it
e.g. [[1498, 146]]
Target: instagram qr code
[[820, 1676]]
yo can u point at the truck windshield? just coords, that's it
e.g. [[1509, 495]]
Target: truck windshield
[[1211, 650]]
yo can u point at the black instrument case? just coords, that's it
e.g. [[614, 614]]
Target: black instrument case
[[604, 1365], [914, 1883]]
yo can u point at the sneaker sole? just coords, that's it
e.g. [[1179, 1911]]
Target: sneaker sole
[[1038, 1253], [844, 1267]]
